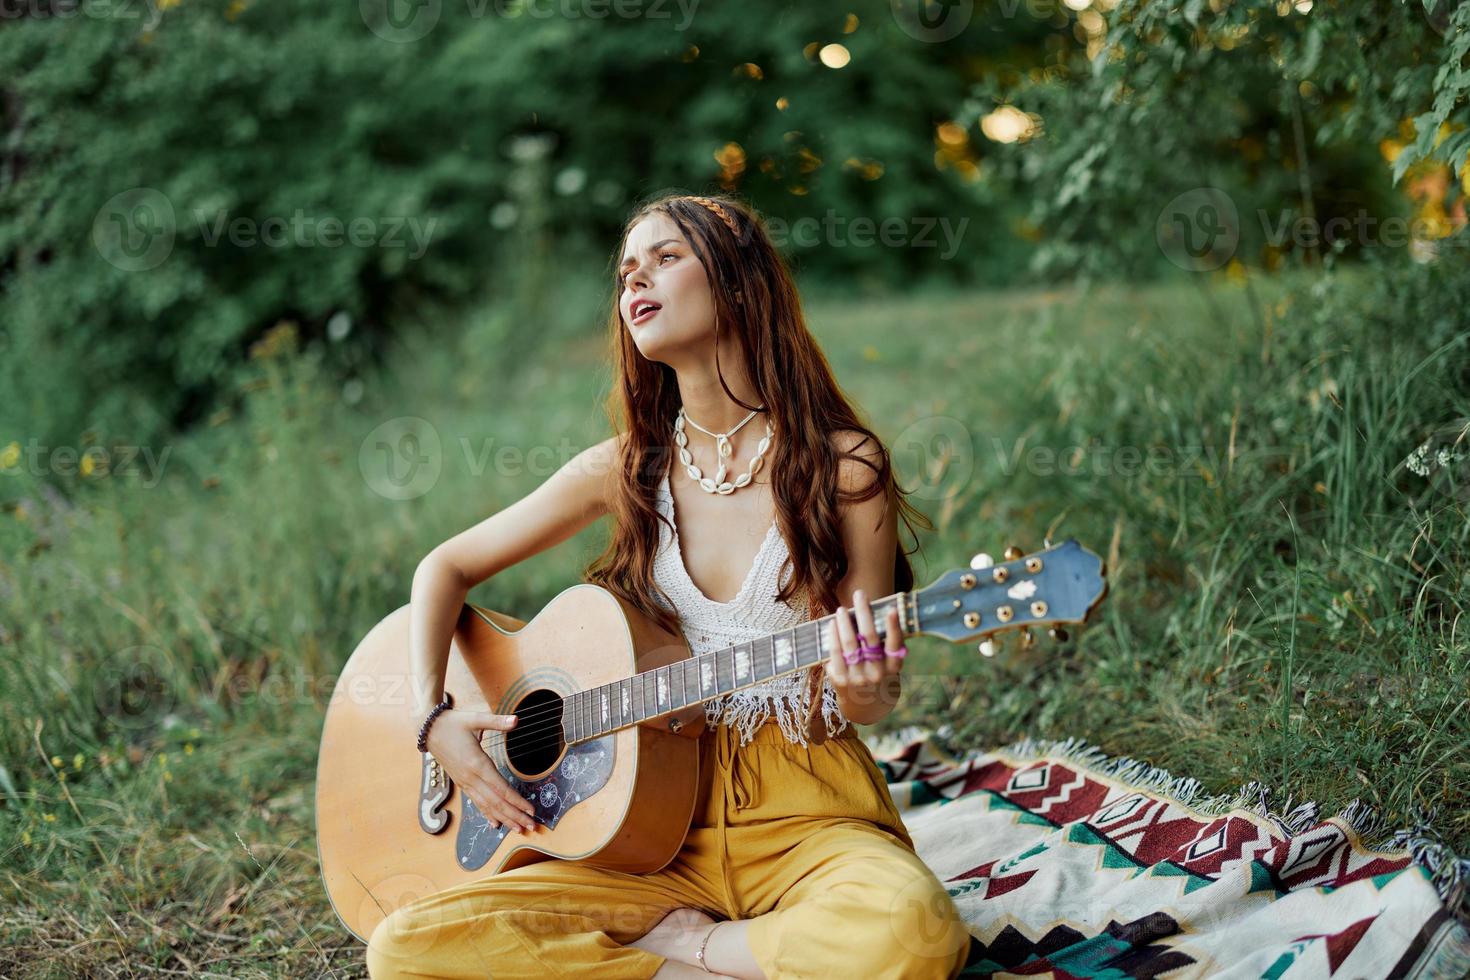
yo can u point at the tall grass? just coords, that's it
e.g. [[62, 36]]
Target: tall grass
[[1285, 602]]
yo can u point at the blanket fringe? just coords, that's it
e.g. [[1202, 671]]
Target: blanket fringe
[[1449, 873]]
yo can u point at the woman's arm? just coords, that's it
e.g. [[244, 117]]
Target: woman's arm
[[569, 500], [870, 535]]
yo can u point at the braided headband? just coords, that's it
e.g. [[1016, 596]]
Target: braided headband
[[719, 211]]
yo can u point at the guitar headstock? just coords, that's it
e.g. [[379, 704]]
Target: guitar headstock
[[1059, 585]]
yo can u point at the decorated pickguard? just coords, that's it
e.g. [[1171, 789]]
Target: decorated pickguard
[[584, 770]]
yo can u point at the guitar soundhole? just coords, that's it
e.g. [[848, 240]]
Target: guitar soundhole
[[535, 768], [535, 744]]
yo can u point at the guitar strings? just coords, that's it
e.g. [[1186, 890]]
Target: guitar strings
[[539, 714], [536, 715], [540, 741], [498, 738]]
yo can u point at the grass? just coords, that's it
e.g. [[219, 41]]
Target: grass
[[1285, 594]]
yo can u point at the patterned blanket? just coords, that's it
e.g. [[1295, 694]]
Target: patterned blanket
[[1067, 864]]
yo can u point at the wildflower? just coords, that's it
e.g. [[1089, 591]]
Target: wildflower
[[9, 456], [25, 837], [77, 760], [188, 748], [163, 759], [1421, 463], [49, 817], [56, 761], [168, 777], [1418, 461]]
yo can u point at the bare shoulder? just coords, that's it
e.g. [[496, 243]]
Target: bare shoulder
[[868, 516], [595, 469], [856, 474], [603, 456]]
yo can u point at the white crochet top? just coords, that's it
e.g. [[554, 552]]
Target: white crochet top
[[753, 613]]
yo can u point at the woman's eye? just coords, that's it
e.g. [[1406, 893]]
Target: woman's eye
[[623, 278]]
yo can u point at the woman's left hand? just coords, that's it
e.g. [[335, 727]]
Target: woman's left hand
[[867, 690]]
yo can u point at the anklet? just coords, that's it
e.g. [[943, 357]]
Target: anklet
[[700, 955]]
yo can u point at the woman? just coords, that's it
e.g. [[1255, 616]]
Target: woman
[[797, 863]]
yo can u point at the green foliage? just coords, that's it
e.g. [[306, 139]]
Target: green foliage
[[181, 639], [1284, 421], [1286, 586], [1279, 107], [496, 154], [1451, 96]]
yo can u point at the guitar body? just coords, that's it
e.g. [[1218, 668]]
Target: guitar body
[[391, 830], [593, 684]]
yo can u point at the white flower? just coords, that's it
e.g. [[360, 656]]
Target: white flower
[[1418, 460]]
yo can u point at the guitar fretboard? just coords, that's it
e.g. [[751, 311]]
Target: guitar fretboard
[[604, 709]]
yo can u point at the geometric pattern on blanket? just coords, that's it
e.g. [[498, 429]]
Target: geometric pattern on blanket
[[1067, 864]]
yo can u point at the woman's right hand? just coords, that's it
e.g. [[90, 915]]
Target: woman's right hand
[[454, 739]]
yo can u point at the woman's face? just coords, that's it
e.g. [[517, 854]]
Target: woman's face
[[658, 266]]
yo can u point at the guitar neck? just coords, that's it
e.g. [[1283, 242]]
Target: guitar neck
[[604, 709]]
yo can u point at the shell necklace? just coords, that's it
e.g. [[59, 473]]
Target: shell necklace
[[722, 441]]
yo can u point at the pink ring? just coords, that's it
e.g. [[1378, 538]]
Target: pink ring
[[869, 651], [852, 656]]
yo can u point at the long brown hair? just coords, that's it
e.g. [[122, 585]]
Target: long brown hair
[[754, 294]]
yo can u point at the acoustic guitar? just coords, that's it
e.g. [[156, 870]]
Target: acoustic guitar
[[593, 683]]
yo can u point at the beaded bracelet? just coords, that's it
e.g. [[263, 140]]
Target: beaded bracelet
[[423, 742]]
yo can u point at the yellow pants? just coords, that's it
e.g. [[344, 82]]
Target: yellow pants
[[805, 837]]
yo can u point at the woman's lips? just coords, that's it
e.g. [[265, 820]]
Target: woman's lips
[[645, 316]]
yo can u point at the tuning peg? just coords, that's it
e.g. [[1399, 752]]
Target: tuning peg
[[1012, 553], [981, 560], [1058, 634], [1027, 639], [987, 648]]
